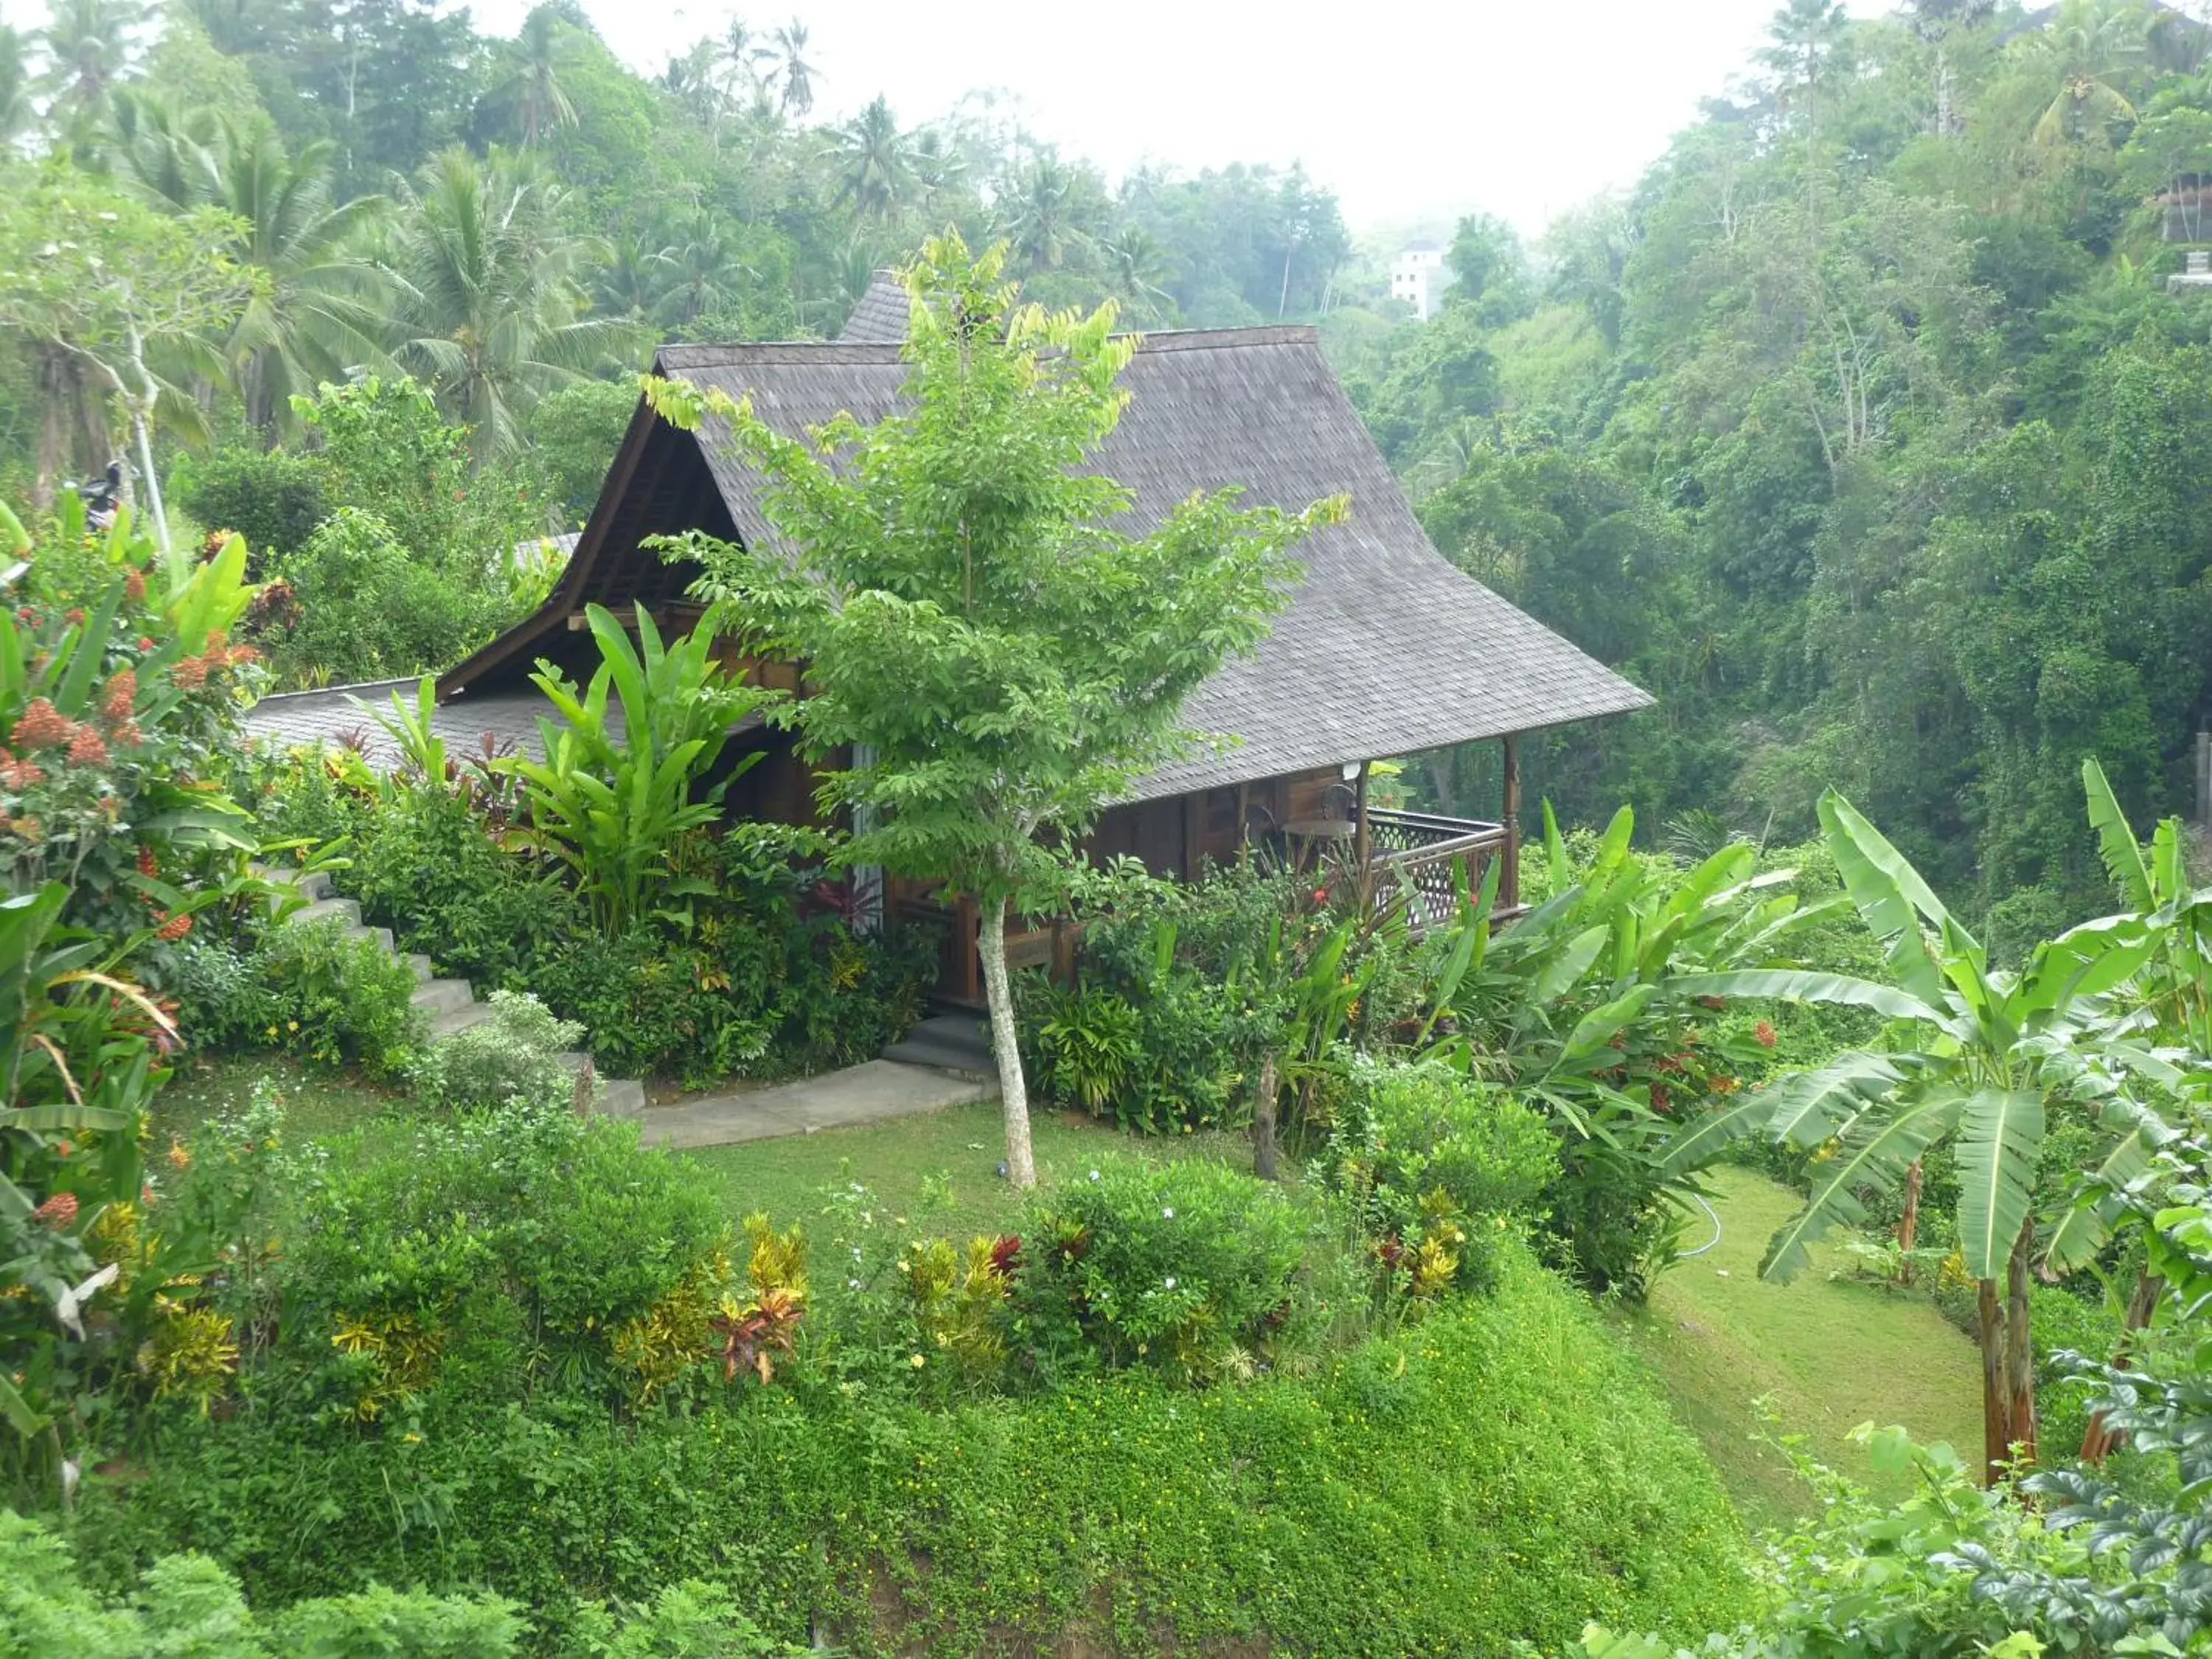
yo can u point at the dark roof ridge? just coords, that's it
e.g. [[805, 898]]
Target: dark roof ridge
[[696, 355]]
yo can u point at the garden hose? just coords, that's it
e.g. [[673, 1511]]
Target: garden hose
[[1710, 1217]]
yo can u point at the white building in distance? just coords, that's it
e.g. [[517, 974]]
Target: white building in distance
[[1418, 278]]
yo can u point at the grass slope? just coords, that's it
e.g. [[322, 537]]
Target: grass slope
[[1826, 1353], [940, 1169]]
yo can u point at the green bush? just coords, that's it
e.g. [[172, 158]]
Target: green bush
[[274, 498], [187, 1605], [478, 1252], [1435, 1166], [305, 989], [652, 1004], [369, 608], [511, 1059], [1189, 1268], [1499, 1472]]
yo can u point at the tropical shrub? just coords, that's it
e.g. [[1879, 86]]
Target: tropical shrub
[[116, 695], [188, 1604], [513, 1058], [1189, 1269], [1436, 1169], [1589, 1006], [273, 499], [481, 1255], [363, 607], [611, 803], [1500, 1472], [308, 990]]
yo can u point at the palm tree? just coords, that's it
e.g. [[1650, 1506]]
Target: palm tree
[[875, 163], [796, 94], [1046, 213], [2003, 1050], [323, 312], [1139, 263], [541, 103], [89, 45], [15, 111], [2085, 53], [700, 269], [490, 303]]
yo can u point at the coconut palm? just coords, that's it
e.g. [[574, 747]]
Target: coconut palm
[[491, 307], [700, 269], [1139, 263], [533, 88], [1046, 213], [794, 75], [2084, 54], [2003, 1051], [15, 111], [874, 163], [89, 45], [322, 311]]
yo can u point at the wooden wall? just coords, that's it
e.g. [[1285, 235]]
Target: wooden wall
[[1176, 836]]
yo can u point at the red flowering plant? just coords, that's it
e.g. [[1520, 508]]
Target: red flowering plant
[[118, 697], [118, 693]]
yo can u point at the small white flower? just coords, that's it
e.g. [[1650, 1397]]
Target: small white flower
[[1170, 1282], [852, 1284], [1168, 1214], [856, 1253], [1094, 1174]]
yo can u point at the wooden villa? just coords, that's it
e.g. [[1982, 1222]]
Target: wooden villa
[[1387, 649]]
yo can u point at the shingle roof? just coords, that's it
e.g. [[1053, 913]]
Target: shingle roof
[[1387, 648], [882, 313], [509, 719]]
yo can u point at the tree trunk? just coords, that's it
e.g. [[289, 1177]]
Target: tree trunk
[[1013, 1092], [2098, 1442], [1908, 1226], [2019, 1350], [1263, 1118], [1996, 1413]]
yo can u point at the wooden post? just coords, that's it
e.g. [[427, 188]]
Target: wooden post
[[1194, 828], [1509, 883], [1359, 839]]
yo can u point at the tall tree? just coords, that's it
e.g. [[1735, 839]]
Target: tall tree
[[2084, 55], [98, 283], [90, 45], [16, 113], [490, 304], [874, 163], [794, 75], [1004, 660], [533, 87]]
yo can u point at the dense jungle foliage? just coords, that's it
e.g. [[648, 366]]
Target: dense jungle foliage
[[1863, 431]]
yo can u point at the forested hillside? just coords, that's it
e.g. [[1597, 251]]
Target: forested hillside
[[1863, 431]]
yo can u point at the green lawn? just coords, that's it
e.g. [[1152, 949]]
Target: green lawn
[[1826, 1353], [942, 1166], [316, 1102]]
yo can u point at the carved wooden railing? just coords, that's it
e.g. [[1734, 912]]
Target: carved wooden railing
[[1418, 853]]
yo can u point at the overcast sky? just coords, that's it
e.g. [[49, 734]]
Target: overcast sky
[[1404, 107]]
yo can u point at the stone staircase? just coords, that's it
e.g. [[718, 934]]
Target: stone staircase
[[957, 1043], [451, 1004]]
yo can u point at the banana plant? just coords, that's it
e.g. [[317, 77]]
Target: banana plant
[[620, 783], [1996, 1052], [1580, 1005]]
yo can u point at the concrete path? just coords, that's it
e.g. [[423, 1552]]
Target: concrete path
[[867, 1093]]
